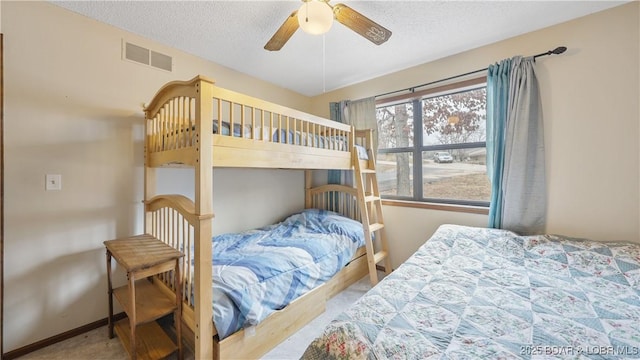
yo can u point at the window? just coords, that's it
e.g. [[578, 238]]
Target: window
[[444, 161]]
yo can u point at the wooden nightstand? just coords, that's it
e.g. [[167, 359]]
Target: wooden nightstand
[[143, 256]]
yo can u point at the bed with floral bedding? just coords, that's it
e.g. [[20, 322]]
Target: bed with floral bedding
[[491, 294]]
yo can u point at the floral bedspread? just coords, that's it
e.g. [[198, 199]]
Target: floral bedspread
[[473, 293]]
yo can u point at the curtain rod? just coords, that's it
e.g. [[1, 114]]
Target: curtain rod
[[556, 51]]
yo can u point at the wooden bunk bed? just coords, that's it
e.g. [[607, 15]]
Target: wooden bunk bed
[[196, 124]]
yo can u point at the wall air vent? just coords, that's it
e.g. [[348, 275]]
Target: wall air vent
[[161, 61], [147, 57]]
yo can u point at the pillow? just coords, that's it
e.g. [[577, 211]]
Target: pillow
[[329, 222], [236, 129]]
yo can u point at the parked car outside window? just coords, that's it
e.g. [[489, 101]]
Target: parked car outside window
[[442, 157], [453, 124]]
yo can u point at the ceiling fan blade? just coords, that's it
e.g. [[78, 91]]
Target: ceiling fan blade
[[361, 24], [283, 33]]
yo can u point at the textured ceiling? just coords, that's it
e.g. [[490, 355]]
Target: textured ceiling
[[233, 33]]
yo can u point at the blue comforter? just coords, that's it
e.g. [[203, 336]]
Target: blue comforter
[[259, 271]]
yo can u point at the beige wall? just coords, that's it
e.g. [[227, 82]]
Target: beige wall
[[73, 107], [590, 97]]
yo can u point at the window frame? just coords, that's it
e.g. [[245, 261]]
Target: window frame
[[416, 98]]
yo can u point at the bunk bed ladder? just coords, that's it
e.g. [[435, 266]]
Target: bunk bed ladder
[[371, 212]]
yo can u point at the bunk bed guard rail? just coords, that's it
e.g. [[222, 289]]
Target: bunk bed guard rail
[[180, 114]]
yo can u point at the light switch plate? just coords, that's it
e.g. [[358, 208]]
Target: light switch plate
[[53, 182]]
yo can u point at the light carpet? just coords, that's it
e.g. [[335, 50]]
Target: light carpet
[[96, 345]]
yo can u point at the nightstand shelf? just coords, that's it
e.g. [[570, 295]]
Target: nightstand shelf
[[151, 303], [143, 256], [152, 341]]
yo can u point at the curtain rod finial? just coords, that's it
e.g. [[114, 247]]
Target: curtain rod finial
[[559, 50]]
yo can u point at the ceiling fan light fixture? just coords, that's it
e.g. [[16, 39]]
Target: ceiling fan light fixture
[[315, 17]]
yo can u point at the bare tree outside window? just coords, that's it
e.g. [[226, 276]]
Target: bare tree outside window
[[395, 126], [451, 148], [456, 118]]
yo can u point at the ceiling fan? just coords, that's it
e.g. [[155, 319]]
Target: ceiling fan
[[316, 17]]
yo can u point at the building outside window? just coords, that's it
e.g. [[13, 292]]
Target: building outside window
[[432, 147]]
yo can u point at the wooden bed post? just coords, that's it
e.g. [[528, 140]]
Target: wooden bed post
[[149, 176], [203, 229], [308, 180]]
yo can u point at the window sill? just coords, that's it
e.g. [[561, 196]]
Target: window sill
[[433, 206]]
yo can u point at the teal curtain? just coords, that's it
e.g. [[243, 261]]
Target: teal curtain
[[336, 110], [515, 147], [497, 93]]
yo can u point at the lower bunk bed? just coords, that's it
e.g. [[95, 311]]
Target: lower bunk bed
[[491, 294], [267, 282]]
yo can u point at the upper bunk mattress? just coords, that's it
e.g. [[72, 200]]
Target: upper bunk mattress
[[259, 271], [491, 294]]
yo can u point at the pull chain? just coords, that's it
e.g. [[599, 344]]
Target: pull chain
[[324, 77]]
